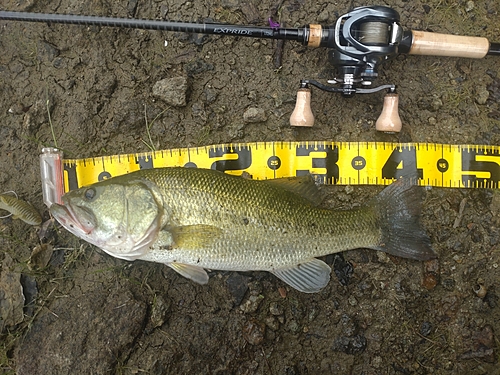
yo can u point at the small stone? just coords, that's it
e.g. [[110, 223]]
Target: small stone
[[252, 95], [350, 345], [275, 309], [46, 51], [470, 6], [253, 332], [11, 294], [159, 311], [272, 323], [436, 104], [482, 95], [40, 256], [431, 274], [293, 326], [324, 16], [172, 91], [483, 345], [253, 115], [342, 269], [238, 286], [425, 328], [252, 304]]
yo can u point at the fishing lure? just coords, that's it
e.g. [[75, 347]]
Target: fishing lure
[[20, 209]]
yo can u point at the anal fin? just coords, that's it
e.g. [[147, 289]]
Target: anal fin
[[308, 277], [195, 273]]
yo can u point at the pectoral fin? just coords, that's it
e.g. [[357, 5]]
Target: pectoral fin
[[308, 277], [195, 273]]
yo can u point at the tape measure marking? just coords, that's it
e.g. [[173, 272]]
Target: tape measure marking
[[353, 163]]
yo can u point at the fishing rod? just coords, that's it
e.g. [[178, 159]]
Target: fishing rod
[[358, 43]]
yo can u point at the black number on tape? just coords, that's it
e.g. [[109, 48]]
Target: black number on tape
[[402, 162], [329, 162], [471, 164], [70, 171], [243, 162]]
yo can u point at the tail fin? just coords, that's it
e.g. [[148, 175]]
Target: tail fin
[[398, 208]]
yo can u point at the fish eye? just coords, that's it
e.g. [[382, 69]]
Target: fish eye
[[89, 194]]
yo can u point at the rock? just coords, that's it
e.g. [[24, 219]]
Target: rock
[[238, 286], [343, 269], [253, 332], [350, 345], [482, 95], [83, 334], [11, 294], [46, 51], [40, 256], [276, 309], [252, 303], [159, 311], [426, 328], [482, 346], [253, 115], [172, 91]]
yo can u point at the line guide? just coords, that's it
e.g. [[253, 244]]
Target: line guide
[[342, 163]]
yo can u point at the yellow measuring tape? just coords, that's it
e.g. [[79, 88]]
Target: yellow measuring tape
[[353, 163]]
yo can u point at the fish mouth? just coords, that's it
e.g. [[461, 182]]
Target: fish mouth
[[78, 221]]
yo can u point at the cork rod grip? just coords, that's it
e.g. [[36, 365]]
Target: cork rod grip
[[434, 44]]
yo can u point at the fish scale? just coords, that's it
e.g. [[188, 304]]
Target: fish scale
[[196, 219]]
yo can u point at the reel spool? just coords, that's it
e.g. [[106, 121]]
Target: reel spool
[[360, 41], [363, 38]]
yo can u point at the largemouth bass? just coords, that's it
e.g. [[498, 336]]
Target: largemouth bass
[[197, 219]]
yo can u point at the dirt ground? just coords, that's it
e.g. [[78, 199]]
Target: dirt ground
[[88, 313]]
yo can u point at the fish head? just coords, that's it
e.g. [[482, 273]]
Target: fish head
[[119, 216]]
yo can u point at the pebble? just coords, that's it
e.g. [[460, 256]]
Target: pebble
[[253, 115], [426, 328], [275, 309], [253, 332], [159, 311], [252, 304], [238, 286], [11, 294], [431, 274], [482, 95], [172, 91], [482, 346], [350, 345], [272, 323]]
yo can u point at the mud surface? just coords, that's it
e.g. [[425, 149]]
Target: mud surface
[[86, 312]]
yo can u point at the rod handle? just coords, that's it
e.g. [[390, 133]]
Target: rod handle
[[435, 44]]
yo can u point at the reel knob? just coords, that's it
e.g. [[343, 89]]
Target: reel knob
[[302, 114], [389, 120]]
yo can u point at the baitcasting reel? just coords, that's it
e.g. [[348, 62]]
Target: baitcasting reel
[[364, 38], [358, 43]]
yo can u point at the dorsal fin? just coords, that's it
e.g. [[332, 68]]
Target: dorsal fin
[[303, 186]]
